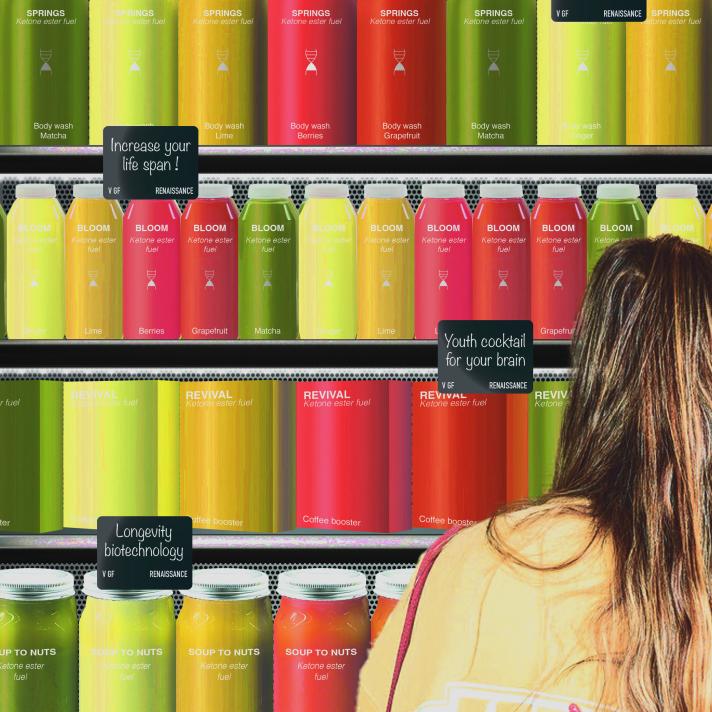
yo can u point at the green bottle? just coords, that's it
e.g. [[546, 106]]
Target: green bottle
[[48, 59], [616, 215], [31, 447], [546, 410], [491, 72], [267, 258]]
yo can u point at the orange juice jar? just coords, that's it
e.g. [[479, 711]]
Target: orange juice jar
[[390, 587], [321, 636]]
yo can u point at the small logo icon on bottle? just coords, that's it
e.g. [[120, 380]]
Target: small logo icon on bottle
[[311, 55], [386, 279], [442, 276], [92, 278], [134, 56], [503, 277], [267, 277], [329, 280], [222, 55], [583, 56], [151, 277], [493, 57], [558, 276], [399, 56], [670, 59], [209, 277], [45, 56]]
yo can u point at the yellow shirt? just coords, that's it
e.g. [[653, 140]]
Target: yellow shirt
[[492, 635]]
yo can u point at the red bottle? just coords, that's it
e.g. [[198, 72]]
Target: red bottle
[[500, 253], [208, 253], [311, 73], [401, 72], [351, 459], [459, 457], [558, 258], [151, 274]]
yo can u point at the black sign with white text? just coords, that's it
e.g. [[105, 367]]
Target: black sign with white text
[[599, 10]]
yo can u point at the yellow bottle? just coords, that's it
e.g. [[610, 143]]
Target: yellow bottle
[[677, 211], [237, 455], [35, 264], [665, 73], [386, 264], [94, 256], [221, 58]]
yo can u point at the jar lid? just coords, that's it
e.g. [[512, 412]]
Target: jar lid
[[322, 584], [618, 191], [88, 190], [92, 589], [393, 583], [214, 190], [269, 191], [674, 190], [559, 190], [326, 190], [501, 190], [228, 585], [385, 190], [35, 190], [443, 190], [35, 584]]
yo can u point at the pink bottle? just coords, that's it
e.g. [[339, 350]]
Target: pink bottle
[[500, 253], [558, 260], [443, 258], [151, 270]]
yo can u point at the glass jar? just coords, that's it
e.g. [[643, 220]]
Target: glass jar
[[390, 587], [224, 643], [39, 641], [321, 636], [126, 650]]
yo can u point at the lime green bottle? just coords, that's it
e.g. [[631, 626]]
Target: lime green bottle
[[35, 264], [48, 52], [133, 70], [677, 211], [491, 72], [547, 403], [581, 81]]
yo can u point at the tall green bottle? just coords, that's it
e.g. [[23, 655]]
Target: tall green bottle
[[580, 81], [267, 259], [547, 403], [48, 59], [491, 72]]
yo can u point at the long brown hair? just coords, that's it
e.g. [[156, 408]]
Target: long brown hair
[[636, 447]]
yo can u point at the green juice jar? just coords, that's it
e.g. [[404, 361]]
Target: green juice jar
[[127, 651], [38, 641]]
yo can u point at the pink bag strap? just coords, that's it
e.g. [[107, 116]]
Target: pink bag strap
[[421, 578]]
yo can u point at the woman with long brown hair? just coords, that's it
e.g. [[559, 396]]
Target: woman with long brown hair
[[599, 595]]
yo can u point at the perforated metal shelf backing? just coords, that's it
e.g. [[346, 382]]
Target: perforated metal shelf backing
[[272, 569], [99, 374], [241, 183]]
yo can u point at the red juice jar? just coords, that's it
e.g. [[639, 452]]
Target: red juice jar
[[390, 587], [321, 636]]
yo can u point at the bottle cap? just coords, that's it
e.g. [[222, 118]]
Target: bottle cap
[[393, 583], [35, 584], [443, 190], [559, 190], [88, 190], [35, 190], [385, 190], [228, 585], [326, 190], [269, 191], [501, 190], [215, 190], [676, 190], [618, 191], [92, 589], [322, 584]]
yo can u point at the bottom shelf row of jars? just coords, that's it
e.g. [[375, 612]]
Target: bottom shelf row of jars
[[224, 652]]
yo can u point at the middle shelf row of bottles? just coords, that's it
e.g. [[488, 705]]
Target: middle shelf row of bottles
[[270, 456], [327, 272]]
